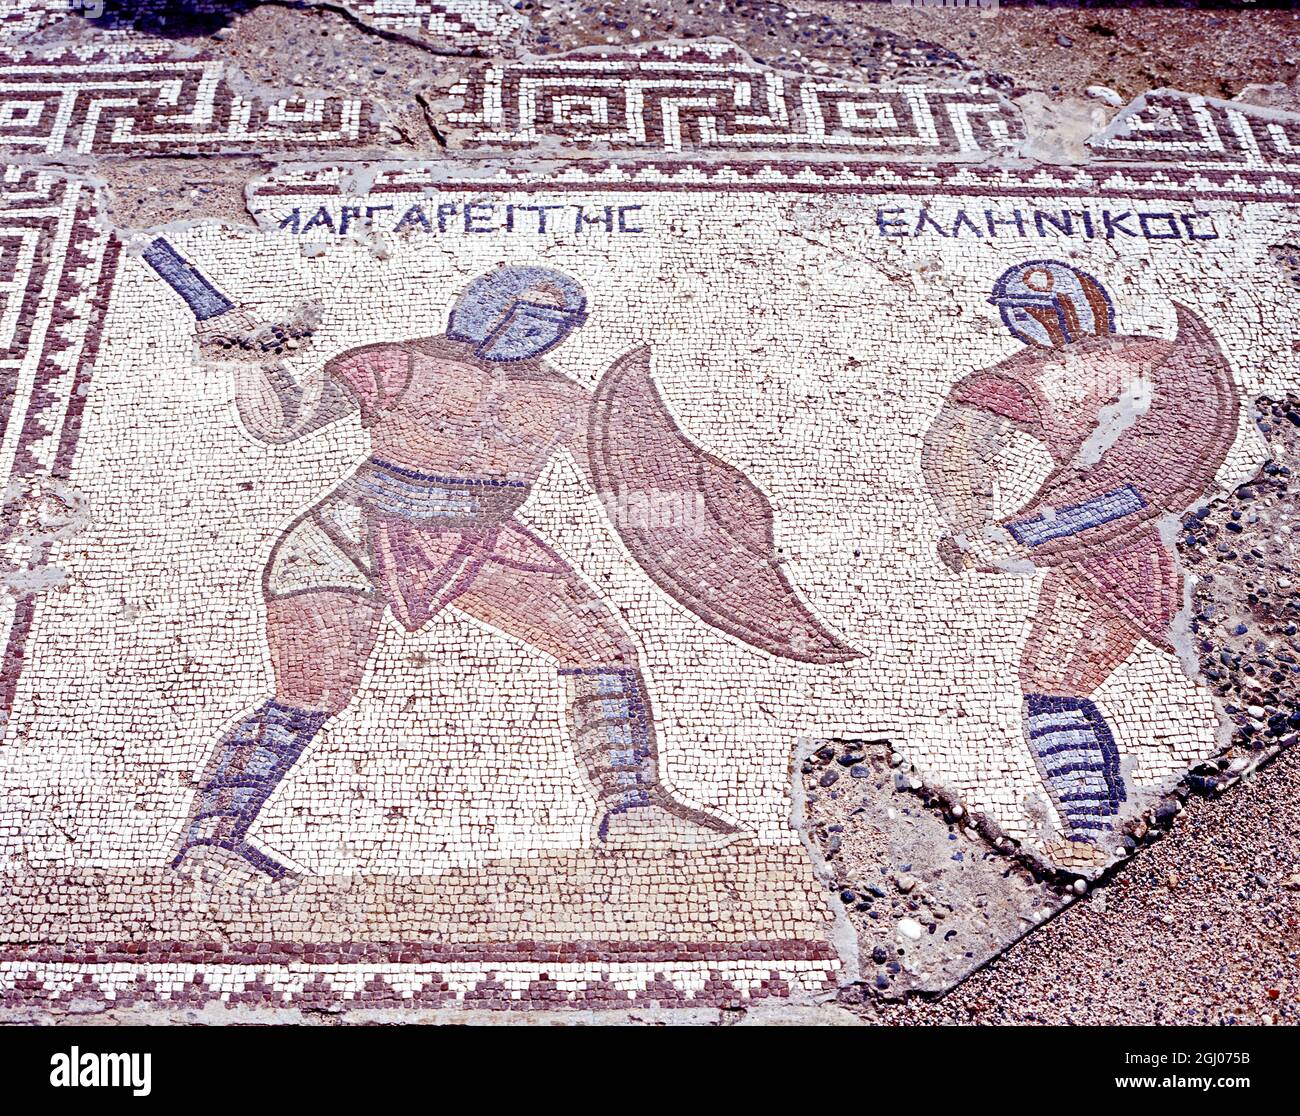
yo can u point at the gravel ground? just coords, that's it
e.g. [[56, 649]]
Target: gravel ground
[[1203, 927], [1063, 49]]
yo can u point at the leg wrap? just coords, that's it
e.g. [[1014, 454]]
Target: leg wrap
[[613, 734], [249, 763], [1076, 754]]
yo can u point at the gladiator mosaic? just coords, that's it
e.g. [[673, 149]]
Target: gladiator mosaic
[[678, 573], [461, 426]]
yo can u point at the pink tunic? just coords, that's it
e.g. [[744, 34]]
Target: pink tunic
[[1097, 520]]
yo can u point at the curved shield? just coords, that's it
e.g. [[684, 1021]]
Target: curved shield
[[697, 526], [1163, 462]]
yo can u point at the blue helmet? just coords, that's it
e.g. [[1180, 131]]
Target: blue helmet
[[1051, 304], [515, 313]]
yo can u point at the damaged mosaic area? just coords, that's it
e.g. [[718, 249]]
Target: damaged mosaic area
[[765, 554]]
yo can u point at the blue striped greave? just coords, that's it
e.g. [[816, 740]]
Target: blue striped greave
[[249, 762], [613, 734], [1076, 754]]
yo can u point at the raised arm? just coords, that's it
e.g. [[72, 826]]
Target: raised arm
[[271, 403], [273, 406]]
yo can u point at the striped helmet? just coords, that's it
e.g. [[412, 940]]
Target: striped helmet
[[1051, 304]]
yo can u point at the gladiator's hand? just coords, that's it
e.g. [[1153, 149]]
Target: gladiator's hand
[[952, 555], [995, 551], [992, 550], [237, 335]]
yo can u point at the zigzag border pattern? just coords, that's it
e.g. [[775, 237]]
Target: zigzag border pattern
[[531, 987], [792, 175]]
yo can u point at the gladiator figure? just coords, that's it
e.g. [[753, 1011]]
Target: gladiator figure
[[1136, 428], [460, 427]]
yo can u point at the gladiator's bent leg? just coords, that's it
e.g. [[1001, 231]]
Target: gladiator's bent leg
[[249, 761], [1076, 753], [319, 643], [528, 591], [1074, 645], [614, 736]]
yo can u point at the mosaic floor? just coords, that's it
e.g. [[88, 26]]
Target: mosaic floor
[[680, 533]]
